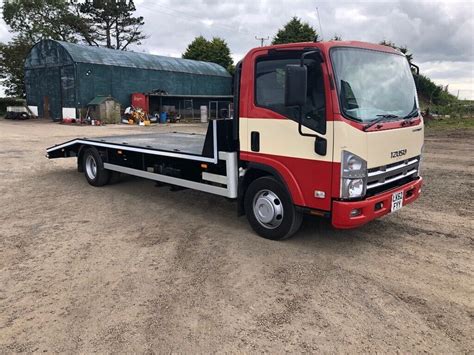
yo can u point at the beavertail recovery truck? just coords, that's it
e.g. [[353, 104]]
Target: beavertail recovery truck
[[331, 129]]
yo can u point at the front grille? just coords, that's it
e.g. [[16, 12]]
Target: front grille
[[384, 177]]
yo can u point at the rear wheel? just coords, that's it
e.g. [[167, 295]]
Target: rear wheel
[[270, 210], [93, 167]]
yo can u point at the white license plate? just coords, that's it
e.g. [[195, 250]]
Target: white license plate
[[397, 201]]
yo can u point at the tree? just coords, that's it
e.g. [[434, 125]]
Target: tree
[[295, 31], [31, 20], [403, 49], [12, 59], [34, 20], [128, 28], [215, 51], [220, 53], [198, 49], [99, 23], [109, 24]]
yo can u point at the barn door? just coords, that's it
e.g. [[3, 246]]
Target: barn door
[[68, 93], [50, 87]]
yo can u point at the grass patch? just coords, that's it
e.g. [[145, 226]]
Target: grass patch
[[451, 123]]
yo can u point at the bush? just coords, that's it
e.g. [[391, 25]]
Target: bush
[[431, 93], [458, 109]]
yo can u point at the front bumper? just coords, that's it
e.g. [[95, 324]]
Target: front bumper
[[372, 207]]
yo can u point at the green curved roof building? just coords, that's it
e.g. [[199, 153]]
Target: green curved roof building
[[69, 75]]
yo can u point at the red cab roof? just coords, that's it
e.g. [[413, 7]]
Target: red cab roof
[[325, 46]]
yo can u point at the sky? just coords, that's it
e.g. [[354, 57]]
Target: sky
[[440, 34]]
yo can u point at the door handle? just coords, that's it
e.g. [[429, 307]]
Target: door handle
[[255, 141], [321, 146]]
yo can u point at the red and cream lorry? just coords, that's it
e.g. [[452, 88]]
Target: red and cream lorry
[[331, 129]]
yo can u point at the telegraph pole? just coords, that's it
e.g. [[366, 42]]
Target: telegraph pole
[[262, 40]]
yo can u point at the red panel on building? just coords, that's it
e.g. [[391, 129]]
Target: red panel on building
[[141, 101]]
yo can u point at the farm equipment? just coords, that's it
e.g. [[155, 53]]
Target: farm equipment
[[136, 115], [17, 113]]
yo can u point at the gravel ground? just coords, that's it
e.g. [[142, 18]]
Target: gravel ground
[[135, 268]]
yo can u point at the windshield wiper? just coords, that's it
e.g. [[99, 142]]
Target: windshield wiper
[[381, 118], [407, 120], [412, 114], [390, 117]]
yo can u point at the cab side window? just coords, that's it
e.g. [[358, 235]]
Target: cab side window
[[270, 89]]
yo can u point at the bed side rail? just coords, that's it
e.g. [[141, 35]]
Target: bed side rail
[[64, 150]]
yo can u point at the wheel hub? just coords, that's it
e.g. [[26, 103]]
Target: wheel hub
[[91, 167], [268, 209]]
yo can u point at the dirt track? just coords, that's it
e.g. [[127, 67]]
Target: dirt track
[[136, 268]]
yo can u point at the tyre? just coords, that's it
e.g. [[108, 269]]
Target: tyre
[[93, 167], [270, 210]]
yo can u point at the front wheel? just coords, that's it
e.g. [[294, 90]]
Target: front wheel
[[270, 210]]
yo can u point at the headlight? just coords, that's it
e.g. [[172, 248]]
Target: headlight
[[353, 175], [354, 188], [354, 164]]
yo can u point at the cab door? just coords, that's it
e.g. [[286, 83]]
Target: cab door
[[269, 130]]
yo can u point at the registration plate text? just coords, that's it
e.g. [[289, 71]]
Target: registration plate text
[[397, 201]]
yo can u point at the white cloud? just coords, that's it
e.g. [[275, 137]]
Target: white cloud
[[458, 75], [5, 35]]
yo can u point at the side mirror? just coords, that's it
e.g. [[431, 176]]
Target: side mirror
[[296, 82], [415, 70]]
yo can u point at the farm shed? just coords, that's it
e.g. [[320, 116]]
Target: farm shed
[[63, 77], [104, 108]]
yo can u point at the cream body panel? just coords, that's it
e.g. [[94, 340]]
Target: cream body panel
[[243, 135], [376, 147], [281, 137], [386, 142]]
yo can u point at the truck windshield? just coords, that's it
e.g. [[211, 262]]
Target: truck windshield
[[373, 84]]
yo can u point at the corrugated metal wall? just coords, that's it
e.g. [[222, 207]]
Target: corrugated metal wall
[[71, 75], [42, 83], [121, 82]]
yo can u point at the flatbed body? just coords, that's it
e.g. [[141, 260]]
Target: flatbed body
[[187, 143], [174, 158], [190, 146]]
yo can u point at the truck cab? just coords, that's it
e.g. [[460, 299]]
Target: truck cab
[[337, 124]]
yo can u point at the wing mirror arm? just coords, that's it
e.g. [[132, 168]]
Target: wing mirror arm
[[416, 67], [416, 74], [300, 121], [296, 83]]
